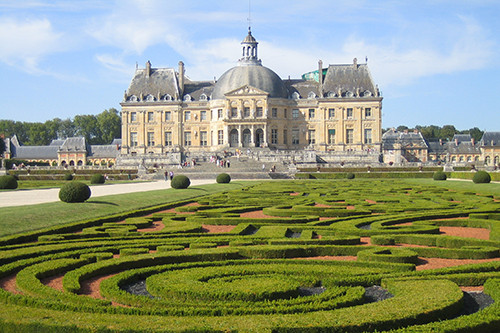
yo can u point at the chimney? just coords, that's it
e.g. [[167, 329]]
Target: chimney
[[355, 63], [181, 78], [440, 142], [320, 77], [473, 141], [456, 142], [148, 69]]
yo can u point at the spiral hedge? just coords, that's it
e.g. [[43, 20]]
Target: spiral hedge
[[163, 272]]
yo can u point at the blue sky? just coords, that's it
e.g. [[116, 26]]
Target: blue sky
[[435, 61]]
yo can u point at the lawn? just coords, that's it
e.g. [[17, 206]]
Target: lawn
[[33, 217]]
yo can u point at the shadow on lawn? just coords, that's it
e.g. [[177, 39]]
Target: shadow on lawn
[[103, 203]]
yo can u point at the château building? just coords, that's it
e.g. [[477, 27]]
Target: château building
[[333, 113]]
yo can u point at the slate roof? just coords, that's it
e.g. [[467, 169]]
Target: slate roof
[[74, 144], [160, 83], [490, 139], [349, 79], [196, 88], [35, 152], [103, 151], [392, 138], [303, 88]]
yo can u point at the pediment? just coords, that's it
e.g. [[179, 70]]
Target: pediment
[[247, 90]]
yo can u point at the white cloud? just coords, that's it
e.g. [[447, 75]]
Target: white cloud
[[25, 43]]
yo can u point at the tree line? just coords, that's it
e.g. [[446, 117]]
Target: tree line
[[445, 133], [97, 129]]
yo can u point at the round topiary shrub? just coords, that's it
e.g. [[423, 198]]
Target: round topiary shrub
[[180, 181], [439, 175], [8, 182], [350, 175], [223, 178], [74, 192], [97, 179], [481, 177], [68, 176]]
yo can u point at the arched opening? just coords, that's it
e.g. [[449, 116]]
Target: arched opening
[[487, 160], [72, 163], [79, 163], [496, 160], [259, 137], [233, 138], [247, 137]]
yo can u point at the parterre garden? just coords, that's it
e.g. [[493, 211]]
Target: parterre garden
[[236, 261]]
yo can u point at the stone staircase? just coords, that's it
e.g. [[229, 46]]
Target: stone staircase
[[240, 168]]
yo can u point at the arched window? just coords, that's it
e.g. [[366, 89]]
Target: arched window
[[487, 160], [203, 97], [187, 98], [349, 94], [167, 97], [132, 98], [331, 94], [150, 98], [295, 95], [311, 95], [367, 93]]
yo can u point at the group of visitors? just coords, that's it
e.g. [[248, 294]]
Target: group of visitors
[[169, 175], [220, 162]]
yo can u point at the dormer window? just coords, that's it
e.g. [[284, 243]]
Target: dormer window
[[311, 95], [203, 97], [349, 94], [295, 95], [132, 98], [150, 98], [367, 93], [331, 94], [187, 98], [167, 97]]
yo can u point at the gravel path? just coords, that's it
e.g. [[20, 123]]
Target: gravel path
[[38, 196]]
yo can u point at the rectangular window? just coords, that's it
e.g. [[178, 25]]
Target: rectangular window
[[349, 135], [234, 112], [274, 112], [168, 138], [368, 135], [285, 113], [331, 113], [295, 113], [219, 113], [151, 139], [349, 113], [220, 137], [150, 117], [295, 136], [187, 138], [203, 115], [368, 112], [311, 113], [133, 139], [203, 138], [331, 136], [246, 112], [133, 116], [187, 115], [274, 136], [311, 137], [259, 111], [168, 115], [285, 137]]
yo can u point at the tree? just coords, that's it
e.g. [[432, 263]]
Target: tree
[[87, 126], [37, 135], [109, 122], [67, 129], [447, 132], [476, 133], [2, 146]]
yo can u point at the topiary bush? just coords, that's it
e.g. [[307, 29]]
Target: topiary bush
[[74, 192], [439, 175], [97, 179], [8, 182], [180, 181], [223, 178], [481, 177], [68, 176], [350, 175]]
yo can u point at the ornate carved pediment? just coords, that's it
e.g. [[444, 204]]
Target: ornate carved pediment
[[246, 90]]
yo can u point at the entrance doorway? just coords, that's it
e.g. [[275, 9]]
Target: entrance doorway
[[259, 137], [233, 138]]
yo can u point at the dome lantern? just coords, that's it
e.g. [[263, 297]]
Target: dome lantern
[[249, 50]]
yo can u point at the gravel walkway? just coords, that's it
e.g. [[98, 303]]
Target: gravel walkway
[[38, 196]]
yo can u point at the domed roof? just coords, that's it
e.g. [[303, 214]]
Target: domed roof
[[257, 76]]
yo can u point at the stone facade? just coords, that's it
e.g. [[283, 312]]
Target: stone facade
[[337, 110]]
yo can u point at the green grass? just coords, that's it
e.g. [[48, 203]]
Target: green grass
[[40, 184], [461, 185], [34, 217]]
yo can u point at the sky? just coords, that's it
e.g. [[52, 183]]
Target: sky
[[435, 61]]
